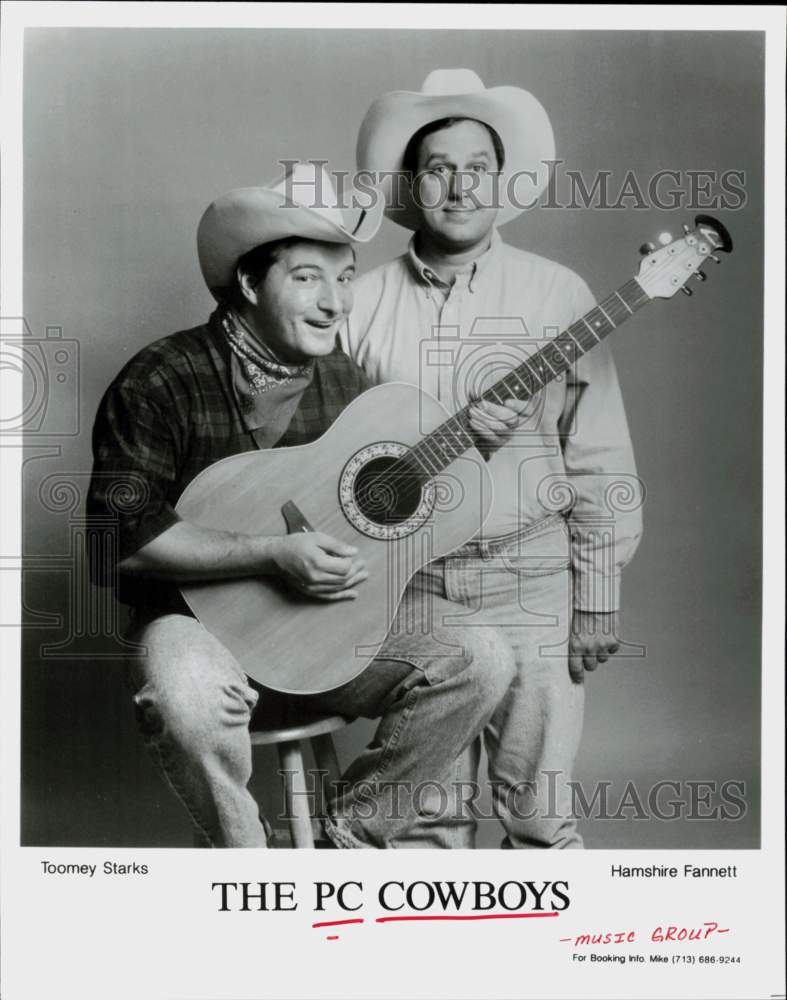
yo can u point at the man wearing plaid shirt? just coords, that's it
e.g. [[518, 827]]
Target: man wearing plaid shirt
[[264, 372]]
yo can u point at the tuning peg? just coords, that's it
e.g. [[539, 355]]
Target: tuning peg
[[685, 290], [686, 229], [714, 258], [647, 248], [700, 276], [665, 239]]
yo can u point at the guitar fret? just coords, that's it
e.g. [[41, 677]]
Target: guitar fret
[[451, 431], [456, 443], [620, 312], [591, 329], [568, 347], [427, 456], [601, 309], [546, 359], [525, 386], [581, 337], [528, 377], [535, 373], [631, 311], [503, 390], [464, 431], [576, 340], [617, 306], [634, 292], [448, 439], [438, 449], [514, 384], [555, 358], [415, 453], [445, 438]]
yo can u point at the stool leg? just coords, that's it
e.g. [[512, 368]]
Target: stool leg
[[296, 798], [327, 763]]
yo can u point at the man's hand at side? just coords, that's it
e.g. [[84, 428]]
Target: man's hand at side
[[592, 641]]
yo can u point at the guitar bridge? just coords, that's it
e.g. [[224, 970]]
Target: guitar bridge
[[294, 519]]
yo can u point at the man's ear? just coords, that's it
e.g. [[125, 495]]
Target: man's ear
[[247, 289]]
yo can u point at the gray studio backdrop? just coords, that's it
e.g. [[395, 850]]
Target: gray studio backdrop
[[129, 134]]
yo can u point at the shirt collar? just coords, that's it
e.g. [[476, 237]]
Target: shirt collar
[[476, 267]]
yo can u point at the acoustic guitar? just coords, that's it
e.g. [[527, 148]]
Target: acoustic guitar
[[398, 477]]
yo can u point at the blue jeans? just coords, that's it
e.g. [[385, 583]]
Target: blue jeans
[[520, 586], [433, 692]]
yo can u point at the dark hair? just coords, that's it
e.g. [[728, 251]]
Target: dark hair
[[410, 159], [256, 263]]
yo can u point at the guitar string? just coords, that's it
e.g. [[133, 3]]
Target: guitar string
[[397, 467], [538, 373], [455, 426]]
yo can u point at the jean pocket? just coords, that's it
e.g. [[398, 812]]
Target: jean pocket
[[540, 555]]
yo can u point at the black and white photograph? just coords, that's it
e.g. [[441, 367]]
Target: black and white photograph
[[392, 460]]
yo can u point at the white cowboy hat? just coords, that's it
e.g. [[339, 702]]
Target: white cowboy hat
[[516, 116], [302, 203]]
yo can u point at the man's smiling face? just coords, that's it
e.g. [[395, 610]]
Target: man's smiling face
[[303, 299], [455, 185]]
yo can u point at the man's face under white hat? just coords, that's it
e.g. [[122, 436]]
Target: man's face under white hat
[[304, 298], [455, 185], [516, 116]]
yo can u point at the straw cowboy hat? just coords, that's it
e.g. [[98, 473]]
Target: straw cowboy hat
[[301, 203], [516, 116]]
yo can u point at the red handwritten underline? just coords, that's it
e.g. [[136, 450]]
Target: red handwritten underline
[[467, 916], [424, 916], [338, 923]]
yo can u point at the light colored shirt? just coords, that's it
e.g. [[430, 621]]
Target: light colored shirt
[[573, 452]]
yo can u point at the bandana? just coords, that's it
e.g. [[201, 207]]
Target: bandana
[[267, 391]]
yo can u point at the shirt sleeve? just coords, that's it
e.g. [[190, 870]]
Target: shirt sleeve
[[606, 516], [136, 458], [348, 338], [354, 332]]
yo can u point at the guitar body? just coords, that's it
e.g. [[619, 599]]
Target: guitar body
[[380, 479], [296, 644]]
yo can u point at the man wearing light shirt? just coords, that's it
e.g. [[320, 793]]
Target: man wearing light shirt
[[457, 311]]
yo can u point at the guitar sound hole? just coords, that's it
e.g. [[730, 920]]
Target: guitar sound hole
[[387, 495]]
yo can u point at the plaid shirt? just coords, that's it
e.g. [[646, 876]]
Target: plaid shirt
[[169, 414]]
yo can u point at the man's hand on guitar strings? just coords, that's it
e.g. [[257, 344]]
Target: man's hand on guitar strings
[[319, 566], [593, 640], [494, 424]]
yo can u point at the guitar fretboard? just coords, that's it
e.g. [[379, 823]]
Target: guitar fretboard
[[454, 436]]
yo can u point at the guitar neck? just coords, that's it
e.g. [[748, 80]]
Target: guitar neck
[[453, 437]]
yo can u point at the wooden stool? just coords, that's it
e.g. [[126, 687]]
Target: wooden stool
[[288, 741]]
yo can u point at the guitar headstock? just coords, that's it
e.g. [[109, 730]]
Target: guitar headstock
[[667, 268]]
